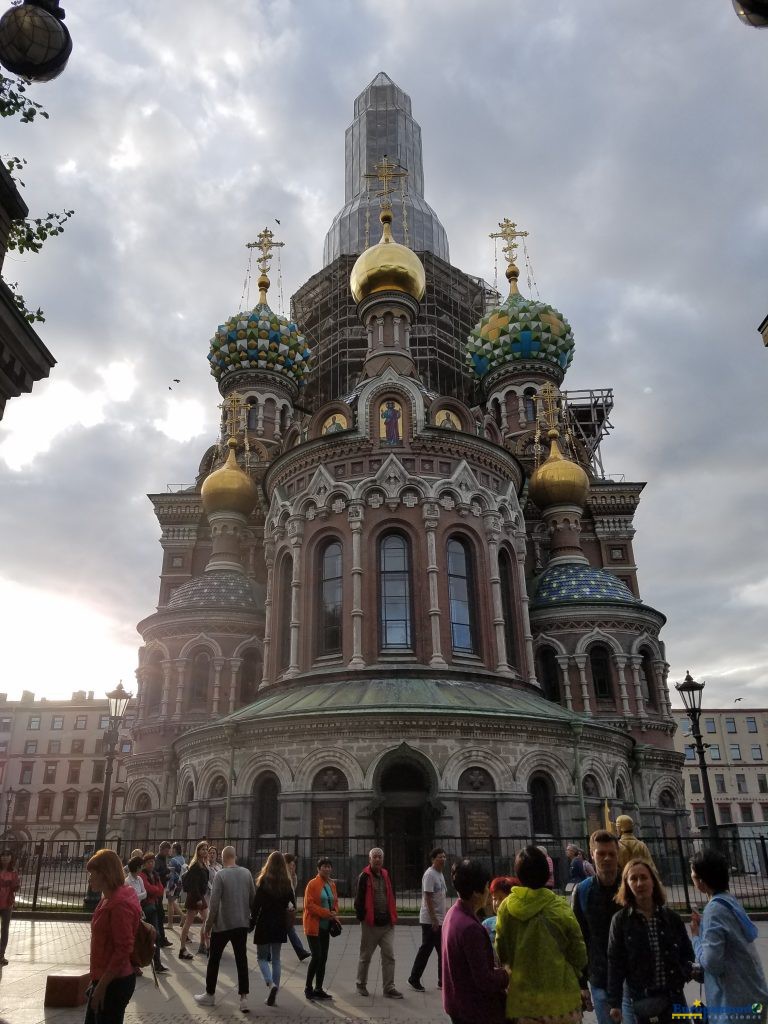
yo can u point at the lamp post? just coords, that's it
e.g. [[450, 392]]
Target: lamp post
[[691, 694], [119, 700], [9, 795]]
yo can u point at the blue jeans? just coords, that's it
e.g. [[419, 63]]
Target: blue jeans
[[295, 941], [268, 955], [602, 1009]]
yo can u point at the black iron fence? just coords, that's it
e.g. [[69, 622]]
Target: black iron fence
[[54, 879]]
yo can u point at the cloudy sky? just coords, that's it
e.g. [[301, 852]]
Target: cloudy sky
[[629, 139]]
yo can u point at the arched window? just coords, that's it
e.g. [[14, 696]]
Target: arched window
[[647, 679], [283, 630], [600, 667], [395, 625], [266, 811], [548, 673], [253, 414], [143, 802], [250, 675], [476, 780], [153, 683], [508, 605], [218, 788], [201, 679], [542, 792], [461, 597], [529, 404], [620, 793], [329, 626], [329, 780], [590, 788]]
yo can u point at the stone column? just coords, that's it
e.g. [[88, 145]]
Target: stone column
[[621, 661], [355, 514], [234, 665], [521, 412], [295, 535], [218, 665], [635, 661], [503, 414], [181, 667], [661, 671], [165, 700], [522, 589], [141, 681], [493, 533], [260, 416], [269, 559], [431, 513], [581, 663], [563, 661]]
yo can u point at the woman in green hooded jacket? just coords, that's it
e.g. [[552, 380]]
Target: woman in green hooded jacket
[[539, 940]]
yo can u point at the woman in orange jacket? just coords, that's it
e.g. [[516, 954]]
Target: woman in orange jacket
[[321, 905]]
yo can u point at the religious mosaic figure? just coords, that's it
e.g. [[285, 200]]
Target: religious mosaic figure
[[332, 425], [448, 420], [390, 417]]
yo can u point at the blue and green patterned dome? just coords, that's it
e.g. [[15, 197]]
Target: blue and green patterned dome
[[260, 340], [572, 583], [519, 330]]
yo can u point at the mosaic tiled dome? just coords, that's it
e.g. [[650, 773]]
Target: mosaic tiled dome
[[216, 589], [519, 330], [260, 340], [569, 583]]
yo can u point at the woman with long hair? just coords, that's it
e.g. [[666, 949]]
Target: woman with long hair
[[648, 948], [9, 885], [274, 894], [194, 882], [113, 931]]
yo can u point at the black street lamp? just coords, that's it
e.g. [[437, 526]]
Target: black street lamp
[[691, 693], [119, 699], [9, 795]]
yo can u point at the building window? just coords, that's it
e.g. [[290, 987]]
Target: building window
[[331, 586], [153, 683], [617, 554], [685, 725], [33, 722], [78, 746], [698, 816], [126, 747], [529, 404], [201, 679], [720, 783], [764, 811], [69, 805], [21, 805], [81, 721], [714, 752], [741, 784], [461, 597], [98, 771], [25, 775], [548, 673], [735, 751], [690, 752], [647, 680], [757, 752], [762, 783], [251, 672], [49, 774], [266, 810], [45, 805], [730, 725], [57, 722], [506, 577], [695, 784], [747, 814], [543, 811], [104, 722], [5, 725], [600, 666], [751, 724], [284, 621], [394, 593], [30, 747], [54, 746], [94, 804], [177, 562], [73, 773], [726, 816], [709, 725]]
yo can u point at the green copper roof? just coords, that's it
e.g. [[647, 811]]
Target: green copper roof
[[415, 695]]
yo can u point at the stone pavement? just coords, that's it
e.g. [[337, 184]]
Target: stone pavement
[[39, 947]]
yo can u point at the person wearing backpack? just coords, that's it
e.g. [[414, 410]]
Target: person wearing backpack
[[114, 925], [594, 905]]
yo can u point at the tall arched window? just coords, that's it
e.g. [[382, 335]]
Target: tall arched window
[[600, 667], [252, 414], [201, 679], [508, 605], [529, 404], [548, 673], [283, 630], [461, 597], [647, 679], [266, 810], [153, 683], [542, 793], [329, 626], [395, 618], [250, 675]]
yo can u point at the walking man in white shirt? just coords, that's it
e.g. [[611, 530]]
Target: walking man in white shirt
[[433, 898]]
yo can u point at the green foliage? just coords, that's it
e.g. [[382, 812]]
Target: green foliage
[[26, 235]]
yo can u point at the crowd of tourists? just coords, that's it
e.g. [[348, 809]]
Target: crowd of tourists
[[509, 949]]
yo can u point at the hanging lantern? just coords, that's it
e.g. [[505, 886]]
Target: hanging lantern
[[34, 42]]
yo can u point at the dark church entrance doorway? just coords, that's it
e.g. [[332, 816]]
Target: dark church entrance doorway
[[405, 821]]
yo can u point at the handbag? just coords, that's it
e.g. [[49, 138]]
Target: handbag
[[652, 1008], [334, 929]]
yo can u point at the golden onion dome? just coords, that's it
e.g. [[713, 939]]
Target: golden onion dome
[[229, 489], [558, 480], [387, 266]]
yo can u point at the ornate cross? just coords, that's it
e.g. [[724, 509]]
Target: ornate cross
[[235, 402], [548, 400], [265, 243], [508, 231], [388, 175]]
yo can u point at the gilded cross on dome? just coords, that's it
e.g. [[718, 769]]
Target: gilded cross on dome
[[391, 178], [509, 232], [265, 243], [548, 401], [233, 414]]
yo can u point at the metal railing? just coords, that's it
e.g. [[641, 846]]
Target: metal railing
[[53, 875]]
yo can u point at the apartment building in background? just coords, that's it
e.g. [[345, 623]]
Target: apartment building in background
[[52, 767]]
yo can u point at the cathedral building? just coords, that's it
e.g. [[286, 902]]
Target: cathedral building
[[400, 601]]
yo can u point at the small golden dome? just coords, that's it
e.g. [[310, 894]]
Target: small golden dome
[[229, 489], [558, 481], [387, 266]]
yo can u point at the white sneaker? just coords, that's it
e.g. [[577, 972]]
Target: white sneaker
[[244, 1004], [205, 1000]]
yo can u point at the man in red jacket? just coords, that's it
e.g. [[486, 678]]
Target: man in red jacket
[[377, 913]]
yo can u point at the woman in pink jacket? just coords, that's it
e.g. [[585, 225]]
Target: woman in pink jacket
[[9, 884], [113, 931]]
